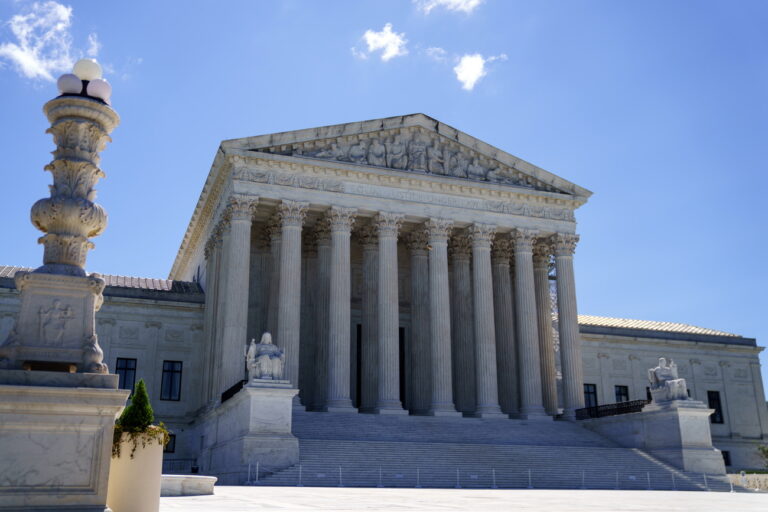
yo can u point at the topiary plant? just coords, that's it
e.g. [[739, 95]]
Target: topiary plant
[[136, 421]]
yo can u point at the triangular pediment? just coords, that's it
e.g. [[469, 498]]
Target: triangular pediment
[[414, 143]]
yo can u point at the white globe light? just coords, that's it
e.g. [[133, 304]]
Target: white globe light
[[87, 69], [69, 84], [99, 89]]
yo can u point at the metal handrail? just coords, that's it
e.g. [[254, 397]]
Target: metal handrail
[[602, 411]]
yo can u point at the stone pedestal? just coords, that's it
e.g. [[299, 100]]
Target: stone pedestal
[[56, 327], [254, 426], [56, 438], [678, 432]]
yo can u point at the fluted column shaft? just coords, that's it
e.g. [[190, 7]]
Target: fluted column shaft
[[529, 362], [369, 346], [419, 370], [462, 327], [541, 254], [323, 236], [235, 290], [441, 386], [273, 303], [485, 331], [212, 257], [340, 220], [289, 313], [388, 225], [570, 341], [504, 321]]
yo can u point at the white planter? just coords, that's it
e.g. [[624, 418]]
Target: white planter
[[134, 483]]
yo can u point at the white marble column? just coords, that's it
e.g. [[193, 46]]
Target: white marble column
[[239, 213], [419, 371], [504, 321], [340, 221], [441, 385], [388, 402], [529, 362], [542, 252], [275, 234], [462, 327], [212, 258], [369, 239], [485, 331], [568, 323], [323, 239], [292, 215]]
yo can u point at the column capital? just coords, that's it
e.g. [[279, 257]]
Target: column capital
[[368, 235], [417, 240], [438, 230], [482, 234], [565, 243], [460, 246], [523, 239], [340, 218], [542, 250], [501, 250], [240, 207], [388, 224], [292, 213], [322, 231]]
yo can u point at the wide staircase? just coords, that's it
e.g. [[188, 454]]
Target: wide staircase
[[365, 450]]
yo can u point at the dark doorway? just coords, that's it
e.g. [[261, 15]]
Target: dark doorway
[[401, 333], [358, 365]]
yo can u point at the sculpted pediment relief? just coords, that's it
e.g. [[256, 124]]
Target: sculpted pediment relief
[[413, 150]]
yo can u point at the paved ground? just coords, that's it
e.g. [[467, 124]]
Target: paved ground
[[242, 499]]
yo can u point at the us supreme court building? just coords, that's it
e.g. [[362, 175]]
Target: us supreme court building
[[405, 268]]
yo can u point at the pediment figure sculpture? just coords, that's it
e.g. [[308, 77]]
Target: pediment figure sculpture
[[665, 383], [264, 360]]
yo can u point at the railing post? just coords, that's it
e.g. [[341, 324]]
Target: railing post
[[493, 472], [648, 474], [380, 484], [257, 472], [418, 478], [248, 482], [674, 484], [341, 483], [617, 480], [300, 484], [706, 484], [530, 480], [583, 477], [458, 479]]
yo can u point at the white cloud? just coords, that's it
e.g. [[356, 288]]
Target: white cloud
[[43, 40], [466, 6], [391, 44], [471, 68], [94, 45], [436, 53]]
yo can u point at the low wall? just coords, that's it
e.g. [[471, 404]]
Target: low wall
[[187, 485], [756, 481]]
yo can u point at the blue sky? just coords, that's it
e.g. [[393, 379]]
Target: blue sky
[[660, 108]]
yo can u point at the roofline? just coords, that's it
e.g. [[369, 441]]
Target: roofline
[[667, 335]]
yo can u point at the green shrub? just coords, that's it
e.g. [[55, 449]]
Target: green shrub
[[136, 421]]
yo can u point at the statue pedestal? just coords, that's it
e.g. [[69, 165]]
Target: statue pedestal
[[56, 431], [678, 432], [56, 326], [254, 426]]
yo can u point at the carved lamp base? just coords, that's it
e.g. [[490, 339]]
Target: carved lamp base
[[56, 327]]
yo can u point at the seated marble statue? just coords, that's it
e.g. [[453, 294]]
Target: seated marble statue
[[665, 383], [264, 359]]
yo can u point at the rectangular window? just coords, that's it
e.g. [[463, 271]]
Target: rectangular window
[[171, 446], [726, 457], [126, 369], [170, 388], [713, 398], [590, 395], [648, 394], [622, 393]]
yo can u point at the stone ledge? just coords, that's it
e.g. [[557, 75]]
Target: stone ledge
[[187, 485]]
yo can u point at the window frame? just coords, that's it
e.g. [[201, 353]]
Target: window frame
[[715, 402], [621, 390], [592, 392], [171, 372], [171, 446], [118, 370]]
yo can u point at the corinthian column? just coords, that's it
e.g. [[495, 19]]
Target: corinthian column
[[529, 362], [462, 328], [485, 332], [388, 225], [504, 321], [418, 354], [542, 250], [369, 237], [570, 341], [340, 221], [323, 237], [289, 313], [213, 264], [441, 389], [238, 213]]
